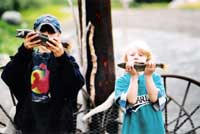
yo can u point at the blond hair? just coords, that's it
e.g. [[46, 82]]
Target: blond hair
[[139, 45]]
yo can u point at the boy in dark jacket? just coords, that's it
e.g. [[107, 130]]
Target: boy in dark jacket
[[45, 80]]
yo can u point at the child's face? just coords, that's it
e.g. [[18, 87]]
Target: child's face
[[48, 30], [51, 35], [136, 55]]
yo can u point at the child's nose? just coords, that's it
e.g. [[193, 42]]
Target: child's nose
[[136, 58]]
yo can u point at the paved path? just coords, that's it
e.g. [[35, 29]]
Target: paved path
[[171, 20]]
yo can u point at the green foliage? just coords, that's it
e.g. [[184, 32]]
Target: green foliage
[[191, 6], [63, 2], [19, 4], [5, 5], [25, 4], [115, 4], [142, 5], [150, 1], [31, 14], [9, 43], [149, 5]]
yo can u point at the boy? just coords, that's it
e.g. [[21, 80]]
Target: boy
[[45, 80]]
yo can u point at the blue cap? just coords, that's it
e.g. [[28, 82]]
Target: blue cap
[[47, 20]]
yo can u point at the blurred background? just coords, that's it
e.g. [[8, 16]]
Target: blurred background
[[28, 10], [170, 27]]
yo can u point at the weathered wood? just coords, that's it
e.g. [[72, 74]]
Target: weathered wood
[[94, 63], [99, 13], [82, 22]]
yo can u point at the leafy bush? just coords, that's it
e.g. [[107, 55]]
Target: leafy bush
[[191, 6], [116, 4], [150, 1], [8, 42], [149, 5], [5, 5], [25, 4]]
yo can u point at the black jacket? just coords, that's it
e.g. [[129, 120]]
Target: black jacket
[[65, 82]]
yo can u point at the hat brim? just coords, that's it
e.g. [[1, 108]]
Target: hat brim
[[49, 24]]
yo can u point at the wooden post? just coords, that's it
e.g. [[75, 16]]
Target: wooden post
[[98, 12]]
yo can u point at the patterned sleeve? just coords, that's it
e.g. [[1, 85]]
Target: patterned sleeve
[[121, 87], [160, 104]]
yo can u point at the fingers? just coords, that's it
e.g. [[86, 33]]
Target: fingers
[[130, 68], [150, 65], [150, 68], [55, 46], [31, 40], [52, 45]]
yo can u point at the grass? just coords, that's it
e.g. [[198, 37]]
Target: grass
[[9, 43], [116, 4], [162, 5], [56, 10], [149, 5], [191, 6]]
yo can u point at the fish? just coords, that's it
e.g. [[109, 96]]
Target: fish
[[141, 66]]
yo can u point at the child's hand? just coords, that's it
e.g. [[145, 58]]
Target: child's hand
[[56, 47], [130, 68], [150, 68], [30, 42]]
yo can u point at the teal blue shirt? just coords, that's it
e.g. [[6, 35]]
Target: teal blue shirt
[[142, 117]]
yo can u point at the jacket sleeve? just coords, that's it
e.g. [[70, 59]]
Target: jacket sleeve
[[71, 78], [14, 72]]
